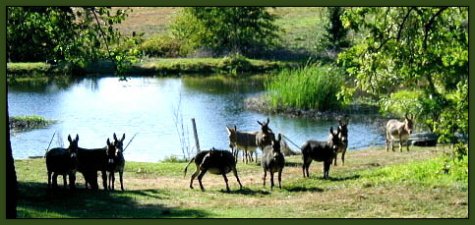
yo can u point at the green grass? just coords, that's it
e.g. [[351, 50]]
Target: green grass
[[164, 66], [28, 68], [372, 183], [310, 87], [21, 123]]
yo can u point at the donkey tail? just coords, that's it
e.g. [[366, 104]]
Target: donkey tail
[[186, 168]]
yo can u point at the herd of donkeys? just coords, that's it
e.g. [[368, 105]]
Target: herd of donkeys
[[110, 159]]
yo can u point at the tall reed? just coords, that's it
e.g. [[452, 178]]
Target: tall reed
[[308, 87]]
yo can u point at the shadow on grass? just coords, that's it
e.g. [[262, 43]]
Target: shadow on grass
[[35, 200], [353, 177], [247, 191], [293, 164], [303, 189]]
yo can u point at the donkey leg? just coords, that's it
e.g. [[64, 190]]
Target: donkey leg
[[121, 173], [104, 179], [343, 157], [225, 180], [335, 159], [280, 178], [237, 178], [200, 177], [326, 169], [49, 179], [271, 180], [264, 178], [72, 180], [55, 180], [193, 177], [65, 183]]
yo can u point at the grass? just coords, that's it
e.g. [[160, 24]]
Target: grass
[[310, 87], [21, 123], [372, 183], [164, 66]]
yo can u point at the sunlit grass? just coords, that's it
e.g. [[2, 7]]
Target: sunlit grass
[[372, 183]]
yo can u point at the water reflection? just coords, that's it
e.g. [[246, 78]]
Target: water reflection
[[95, 108]]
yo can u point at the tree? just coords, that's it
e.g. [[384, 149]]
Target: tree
[[62, 33], [412, 49], [336, 34], [243, 30], [73, 34]]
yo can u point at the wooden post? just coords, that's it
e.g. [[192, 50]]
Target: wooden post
[[197, 142]]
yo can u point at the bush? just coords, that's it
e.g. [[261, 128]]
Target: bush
[[310, 87], [235, 64], [162, 46]]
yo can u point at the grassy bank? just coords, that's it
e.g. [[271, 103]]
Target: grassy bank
[[372, 183], [159, 66], [22, 123]]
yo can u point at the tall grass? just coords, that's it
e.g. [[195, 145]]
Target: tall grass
[[309, 87]]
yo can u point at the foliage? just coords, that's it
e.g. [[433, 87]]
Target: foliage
[[336, 34], [72, 34], [161, 46], [235, 64], [411, 48], [309, 87], [244, 30]]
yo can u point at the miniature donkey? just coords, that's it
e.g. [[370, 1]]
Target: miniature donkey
[[115, 161], [320, 151], [63, 161], [216, 162], [90, 161], [343, 135], [273, 161], [400, 131]]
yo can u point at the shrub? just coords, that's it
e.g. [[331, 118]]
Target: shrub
[[310, 87], [162, 46], [235, 64]]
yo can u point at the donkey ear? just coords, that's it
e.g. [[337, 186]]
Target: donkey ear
[[77, 138], [69, 138], [331, 131], [267, 122], [123, 137], [108, 142], [260, 123], [115, 137], [279, 137]]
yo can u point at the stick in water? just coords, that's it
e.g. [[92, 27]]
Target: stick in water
[[50, 143], [130, 141]]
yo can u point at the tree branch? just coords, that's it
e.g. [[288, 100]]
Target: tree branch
[[428, 25]]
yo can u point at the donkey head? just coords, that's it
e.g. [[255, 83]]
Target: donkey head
[[265, 126], [343, 127], [73, 146], [232, 135], [408, 123], [111, 152], [119, 144], [276, 143], [265, 134], [334, 139]]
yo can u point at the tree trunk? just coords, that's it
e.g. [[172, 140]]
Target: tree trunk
[[11, 181]]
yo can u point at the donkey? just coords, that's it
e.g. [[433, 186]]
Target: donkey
[[115, 161], [90, 161], [63, 161], [265, 136], [343, 135], [273, 161], [216, 162], [399, 130], [320, 151], [242, 140]]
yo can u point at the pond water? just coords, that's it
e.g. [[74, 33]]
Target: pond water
[[150, 110]]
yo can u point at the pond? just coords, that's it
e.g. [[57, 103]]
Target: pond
[[151, 109]]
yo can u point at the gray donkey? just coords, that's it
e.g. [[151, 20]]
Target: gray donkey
[[273, 161]]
